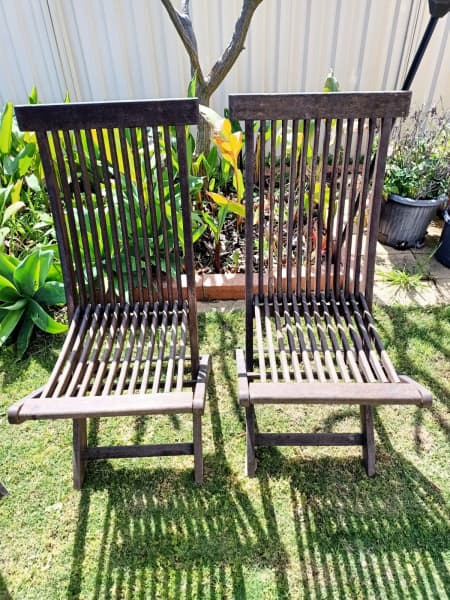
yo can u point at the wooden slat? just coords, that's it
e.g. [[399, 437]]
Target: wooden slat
[[301, 340], [271, 202], [73, 407], [161, 346], [294, 355], [340, 359], [112, 221], [172, 348], [312, 340], [352, 211], [117, 343], [309, 439], [309, 215], [88, 115], [151, 343], [358, 345], [329, 274], [93, 362], [121, 216], [301, 204], [269, 341], [280, 340], [331, 369], [282, 224], [87, 343], [339, 105], [321, 220], [373, 358], [331, 393], [260, 341], [141, 451], [128, 350], [182, 348], [348, 350], [142, 206], [291, 206]]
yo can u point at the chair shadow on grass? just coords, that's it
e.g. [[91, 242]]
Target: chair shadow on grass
[[385, 537], [165, 537]]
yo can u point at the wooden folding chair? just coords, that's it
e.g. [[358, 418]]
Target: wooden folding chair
[[118, 183], [314, 166]]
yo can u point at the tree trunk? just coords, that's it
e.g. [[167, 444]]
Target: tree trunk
[[203, 141]]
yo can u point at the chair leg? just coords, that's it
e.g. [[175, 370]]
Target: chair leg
[[79, 446], [198, 449], [368, 439], [250, 435]]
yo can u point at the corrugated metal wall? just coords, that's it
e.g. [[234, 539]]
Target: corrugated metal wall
[[117, 49]]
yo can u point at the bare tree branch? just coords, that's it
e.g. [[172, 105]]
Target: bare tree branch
[[183, 24], [234, 48]]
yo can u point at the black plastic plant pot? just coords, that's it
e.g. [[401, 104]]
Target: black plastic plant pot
[[443, 251], [404, 222]]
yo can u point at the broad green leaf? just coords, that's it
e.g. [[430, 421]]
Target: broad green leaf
[[8, 265], [25, 158], [19, 304], [192, 87], [45, 260], [8, 291], [24, 335], [52, 292], [4, 232], [26, 275], [230, 205], [5, 194], [33, 96], [212, 225], [15, 194], [12, 210], [43, 320], [8, 324], [33, 183], [6, 129]]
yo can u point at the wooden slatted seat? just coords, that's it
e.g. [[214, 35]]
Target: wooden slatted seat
[[118, 184], [313, 194]]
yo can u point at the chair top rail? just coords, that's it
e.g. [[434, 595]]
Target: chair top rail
[[89, 115], [336, 105]]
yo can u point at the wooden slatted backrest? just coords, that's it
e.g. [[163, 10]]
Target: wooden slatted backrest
[[117, 179], [314, 167]]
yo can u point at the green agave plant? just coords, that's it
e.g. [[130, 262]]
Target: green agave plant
[[27, 287]]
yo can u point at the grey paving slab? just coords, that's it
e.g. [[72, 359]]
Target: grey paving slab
[[221, 305], [427, 295]]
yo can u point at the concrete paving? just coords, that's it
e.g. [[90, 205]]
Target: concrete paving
[[435, 287]]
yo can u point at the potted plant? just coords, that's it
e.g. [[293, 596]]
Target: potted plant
[[417, 178]]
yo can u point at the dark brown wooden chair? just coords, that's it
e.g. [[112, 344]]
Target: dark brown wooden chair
[[314, 166], [118, 183]]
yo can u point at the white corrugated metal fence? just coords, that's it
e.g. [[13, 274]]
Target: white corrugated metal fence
[[117, 49]]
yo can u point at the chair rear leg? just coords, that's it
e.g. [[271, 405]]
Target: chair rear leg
[[368, 439], [198, 448], [250, 435], [79, 447]]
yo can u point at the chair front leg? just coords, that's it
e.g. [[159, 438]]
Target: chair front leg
[[250, 436], [368, 439], [79, 448], [198, 448]]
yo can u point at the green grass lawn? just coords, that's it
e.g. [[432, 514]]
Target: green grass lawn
[[310, 525]]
